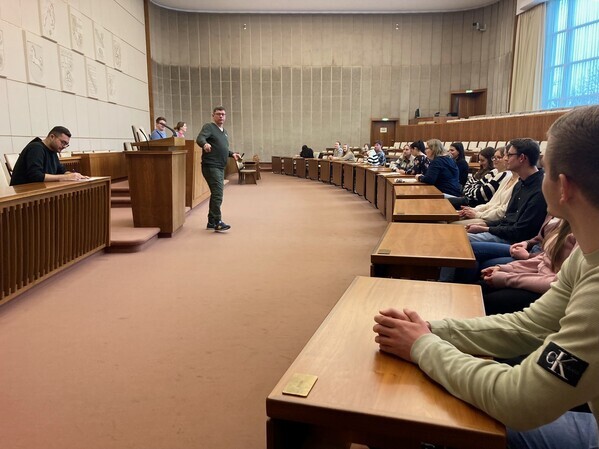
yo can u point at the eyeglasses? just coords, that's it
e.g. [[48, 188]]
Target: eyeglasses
[[162, 123], [497, 158], [511, 154]]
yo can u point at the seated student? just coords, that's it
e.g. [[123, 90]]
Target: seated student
[[405, 162], [421, 162], [38, 162], [442, 171], [376, 157], [181, 129], [558, 333], [348, 155], [337, 151], [307, 152], [495, 209], [456, 150], [513, 286], [160, 131], [527, 208], [481, 186]]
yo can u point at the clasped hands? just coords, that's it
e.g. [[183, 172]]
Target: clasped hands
[[398, 330]]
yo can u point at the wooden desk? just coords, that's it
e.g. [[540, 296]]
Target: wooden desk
[[424, 210], [371, 174], [277, 165], [381, 188], [300, 167], [364, 396], [196, 187], [360, 183], [46, 227], [313, 168], [325, 170], [416, 190], [111, 164], [419, 250], [157, 186], [337, 169], [349, 171], [288, 166], [72, 163]]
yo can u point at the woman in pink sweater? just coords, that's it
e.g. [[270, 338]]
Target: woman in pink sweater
[[513, 286]]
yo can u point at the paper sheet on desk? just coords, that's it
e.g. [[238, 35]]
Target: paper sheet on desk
[[405, 180]]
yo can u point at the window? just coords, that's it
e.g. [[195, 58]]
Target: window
[[571, 72]]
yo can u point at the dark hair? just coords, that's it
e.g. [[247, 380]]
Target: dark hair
[[572, 150], [304, 147], [379, 142], [527, 147], [460, 148], [219, 108], [57, 130], [160, 118], [419, 145], [488, 154], [179, 125]]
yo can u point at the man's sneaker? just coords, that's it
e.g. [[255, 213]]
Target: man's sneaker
[[210, 225], [221, 226]]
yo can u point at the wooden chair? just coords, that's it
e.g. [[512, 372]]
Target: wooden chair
[[11, 160], [246, 176]]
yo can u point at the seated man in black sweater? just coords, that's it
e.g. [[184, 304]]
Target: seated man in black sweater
[[38, 162]]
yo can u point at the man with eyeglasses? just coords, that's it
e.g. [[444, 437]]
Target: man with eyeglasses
[[527, 208], [557, 334], [160, 131], [38, 162]]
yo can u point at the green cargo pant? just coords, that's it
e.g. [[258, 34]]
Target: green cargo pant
[[215, 177]]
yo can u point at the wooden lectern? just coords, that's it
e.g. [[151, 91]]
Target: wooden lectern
[[196, 187], [157, 184]]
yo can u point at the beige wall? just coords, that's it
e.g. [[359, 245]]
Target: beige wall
[[293, 79], [69, 81]]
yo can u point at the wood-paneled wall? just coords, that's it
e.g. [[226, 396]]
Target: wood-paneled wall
[[505, 128], [292, 79]]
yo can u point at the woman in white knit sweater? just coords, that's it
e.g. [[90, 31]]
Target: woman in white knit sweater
[[495, 209]]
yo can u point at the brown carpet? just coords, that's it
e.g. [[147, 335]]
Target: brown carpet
[[178, 346]]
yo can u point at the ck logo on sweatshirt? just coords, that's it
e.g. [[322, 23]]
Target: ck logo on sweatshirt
[[562, 364]]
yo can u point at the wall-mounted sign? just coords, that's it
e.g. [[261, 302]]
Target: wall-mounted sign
[[383, 130]]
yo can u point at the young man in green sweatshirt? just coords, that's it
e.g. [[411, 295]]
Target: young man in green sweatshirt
[[558, 332]]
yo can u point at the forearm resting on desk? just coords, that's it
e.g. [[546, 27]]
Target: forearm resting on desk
[[68, 176]]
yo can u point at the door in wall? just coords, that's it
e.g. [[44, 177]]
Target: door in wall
[[383, 130]]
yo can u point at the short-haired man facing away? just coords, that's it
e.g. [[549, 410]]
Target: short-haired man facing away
[[559, 331], [38, 162]]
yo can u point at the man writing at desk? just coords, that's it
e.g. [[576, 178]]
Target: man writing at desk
[[38, 162], [558, 332]]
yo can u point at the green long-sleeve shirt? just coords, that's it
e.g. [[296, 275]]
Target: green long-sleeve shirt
[[219, 140], [560, 331]]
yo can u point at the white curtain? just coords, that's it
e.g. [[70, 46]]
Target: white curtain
[[527, 74]]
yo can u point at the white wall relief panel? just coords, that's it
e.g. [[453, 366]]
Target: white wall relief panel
[[117, 53], [67, 69], [2, 57], [48, 19], [34, 56], [99, 43]]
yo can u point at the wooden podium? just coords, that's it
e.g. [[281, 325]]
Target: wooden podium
[[157, 184], [196, 187]]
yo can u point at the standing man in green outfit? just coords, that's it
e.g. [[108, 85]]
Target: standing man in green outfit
[[215, 142]]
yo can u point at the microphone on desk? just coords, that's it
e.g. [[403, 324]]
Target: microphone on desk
[[171, 130]]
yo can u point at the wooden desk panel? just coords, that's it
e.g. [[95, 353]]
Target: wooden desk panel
[[360, 183], [196, 187], [313, 168], [424, 210], [111, 164], [72, 163], [367, 397], [337, 176], [418, 250], [288, 166], [348, 176], [371, 174], [46, 227], [325, 170], [300, 167], [381, 188], [277, 165], [157, 186]]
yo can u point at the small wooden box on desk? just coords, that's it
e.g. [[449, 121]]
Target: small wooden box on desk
[[367, 397], [157, 184], [419, 250], [423, 211]]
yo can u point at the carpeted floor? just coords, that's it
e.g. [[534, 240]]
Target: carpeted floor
[[177, 347]]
